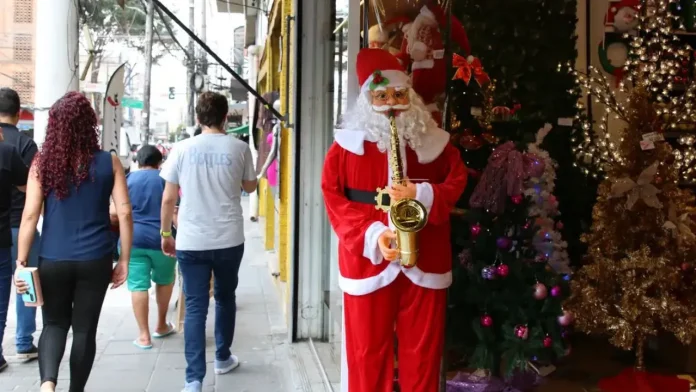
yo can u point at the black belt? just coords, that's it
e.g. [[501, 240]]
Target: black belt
[[366, 197]]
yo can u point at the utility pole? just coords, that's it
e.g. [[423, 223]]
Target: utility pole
[[191, 65], [149, 37], [57, 58], [204, 37]]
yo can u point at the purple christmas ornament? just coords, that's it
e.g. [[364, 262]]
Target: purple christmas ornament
[[488, 273], [503, 243]]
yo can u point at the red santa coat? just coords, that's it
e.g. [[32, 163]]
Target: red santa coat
[[355, 162]]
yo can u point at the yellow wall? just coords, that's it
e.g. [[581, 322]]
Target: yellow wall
[[276, 81], [285, 143]]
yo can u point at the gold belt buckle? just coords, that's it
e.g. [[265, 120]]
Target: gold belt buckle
[[380, 193]]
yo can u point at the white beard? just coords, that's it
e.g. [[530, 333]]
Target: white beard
[[411, 124]]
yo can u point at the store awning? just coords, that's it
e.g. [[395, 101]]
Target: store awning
[[243, 130]]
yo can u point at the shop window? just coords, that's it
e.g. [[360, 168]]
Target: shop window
[[23, 11], [22, 83], [22, 47]]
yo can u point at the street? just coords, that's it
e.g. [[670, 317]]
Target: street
[[260, 342]]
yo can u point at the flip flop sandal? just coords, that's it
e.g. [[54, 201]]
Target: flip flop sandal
[[141, 346], [171, 330]]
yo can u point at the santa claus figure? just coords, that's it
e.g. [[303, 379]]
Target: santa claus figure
[[423, 48], [380, 294], [624, 15]]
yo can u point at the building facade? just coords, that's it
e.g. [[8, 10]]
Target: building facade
[[17, 43]]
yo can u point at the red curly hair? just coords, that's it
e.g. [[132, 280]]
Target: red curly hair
[[72, 138]]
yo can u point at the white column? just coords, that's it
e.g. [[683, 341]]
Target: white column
[[253, 53], [313, 138], [57, 58]]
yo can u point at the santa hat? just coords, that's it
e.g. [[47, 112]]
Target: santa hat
[[378, 69], [458, 32]]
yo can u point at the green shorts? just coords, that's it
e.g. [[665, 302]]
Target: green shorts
[[150, 265]]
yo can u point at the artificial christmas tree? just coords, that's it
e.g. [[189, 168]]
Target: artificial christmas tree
[[639, 279], [506, 306]]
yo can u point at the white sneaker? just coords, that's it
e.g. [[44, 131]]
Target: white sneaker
[[222, 367]]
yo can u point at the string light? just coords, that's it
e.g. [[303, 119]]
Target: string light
[[655, 62]]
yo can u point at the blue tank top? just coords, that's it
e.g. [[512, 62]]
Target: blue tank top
[[77, 228]]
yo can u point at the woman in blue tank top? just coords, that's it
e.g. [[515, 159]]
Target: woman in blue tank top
[[74, 181]]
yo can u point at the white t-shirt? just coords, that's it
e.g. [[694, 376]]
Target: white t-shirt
[[209, 170]]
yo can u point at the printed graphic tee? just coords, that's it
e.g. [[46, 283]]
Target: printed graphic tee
[[209, 170]]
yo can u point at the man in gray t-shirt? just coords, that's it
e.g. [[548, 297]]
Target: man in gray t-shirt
[[211, 170]]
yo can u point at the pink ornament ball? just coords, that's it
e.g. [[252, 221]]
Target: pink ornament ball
[[517, 199], [540, 291], [522, 332], [566, 318], [548, 342], [486, 321], [475, 230], [685, 266], [503, 270], [559, 225], [556, 291]]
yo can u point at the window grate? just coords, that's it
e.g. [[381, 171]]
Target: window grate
[[22, 47], [23, 11], [22, 83]]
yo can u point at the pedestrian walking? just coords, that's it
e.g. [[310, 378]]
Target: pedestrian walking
[[211, 169], [74, 180], [148, 263], [13, 174], [25, 146]]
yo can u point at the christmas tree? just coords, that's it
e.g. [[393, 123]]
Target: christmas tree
[[501, 320], [521, 43], [639, 279], [506, 305]]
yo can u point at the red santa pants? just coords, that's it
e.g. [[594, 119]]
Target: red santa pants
[[419, 316]]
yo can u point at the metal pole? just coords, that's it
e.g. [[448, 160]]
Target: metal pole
[[190, 70], [365, 23], [220, 61], [149, 37], [204, 36], [447, 127]]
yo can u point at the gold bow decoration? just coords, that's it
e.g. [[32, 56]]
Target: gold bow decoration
[[640, 189], [680, 225]]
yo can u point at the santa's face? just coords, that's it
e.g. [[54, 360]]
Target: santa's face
[[390, 99], [626, 19]]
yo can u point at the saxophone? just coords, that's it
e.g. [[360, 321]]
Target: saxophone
[[409, 216]]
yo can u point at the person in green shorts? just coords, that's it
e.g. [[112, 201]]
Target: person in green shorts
[[148, 263]]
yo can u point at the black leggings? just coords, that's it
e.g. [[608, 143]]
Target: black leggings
[[73, 294]]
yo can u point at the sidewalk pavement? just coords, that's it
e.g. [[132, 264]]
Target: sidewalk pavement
[[260, 342]]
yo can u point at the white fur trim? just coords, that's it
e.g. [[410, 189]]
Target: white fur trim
[[351, 140], [425, 11], [425, 195], [396, 79], [433, 143], [371, 284], [439, 54], [428, 280], [371, 248], [406, 26], [388, 275], [423, 64]]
